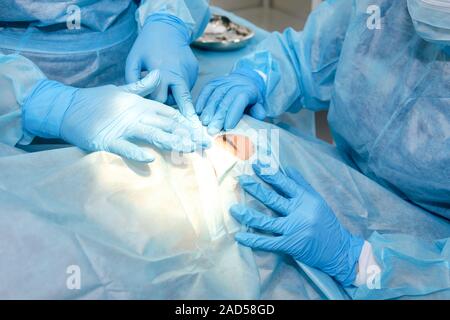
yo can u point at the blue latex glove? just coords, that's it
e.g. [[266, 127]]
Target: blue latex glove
[[163, 44], [308, 230], [223, 101], [109, 118]]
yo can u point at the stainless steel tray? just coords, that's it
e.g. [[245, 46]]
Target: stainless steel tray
[[222, 34]]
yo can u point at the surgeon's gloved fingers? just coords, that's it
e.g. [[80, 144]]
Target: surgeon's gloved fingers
[[281, 183], [218, 121], [166, 124], [166, 113], [163, 140], [130, 151], [258, 242], [213, 103], [199, 134], [296, 176], [236, 109], [257, 220], [173, 122], [173, 142], [133, 68], [160, 94], [258, 112], [183, 98], [166, 118], [204, 97], [164, 110], [268, 197], [145, 86]]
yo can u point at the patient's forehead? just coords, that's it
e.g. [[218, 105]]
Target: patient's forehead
[[238, 145]]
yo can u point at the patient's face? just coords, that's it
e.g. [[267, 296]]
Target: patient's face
[[238, 145]]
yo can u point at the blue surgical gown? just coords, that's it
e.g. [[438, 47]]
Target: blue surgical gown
[[36, 42], [388, 95], [93, 52]]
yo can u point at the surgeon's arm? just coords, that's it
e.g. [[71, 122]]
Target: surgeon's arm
[[194, 13], [107, 118], [18, 76], [301, 66], [293, 67]]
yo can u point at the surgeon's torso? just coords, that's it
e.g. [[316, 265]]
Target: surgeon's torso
[[79, 43], [391, 106], [96, 15]]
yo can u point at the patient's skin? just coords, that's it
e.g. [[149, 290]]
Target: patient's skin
[[238, 145]]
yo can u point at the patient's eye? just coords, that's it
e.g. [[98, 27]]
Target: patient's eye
[[238, 145]]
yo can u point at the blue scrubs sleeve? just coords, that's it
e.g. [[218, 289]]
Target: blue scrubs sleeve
[[194, 13], [302, 65]]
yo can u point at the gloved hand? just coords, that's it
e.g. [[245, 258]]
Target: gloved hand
[[163, 44], [223, 101], [109, 118], [308, 230]]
